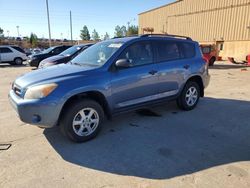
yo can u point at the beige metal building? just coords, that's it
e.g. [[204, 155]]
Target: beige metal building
[[225, 23]]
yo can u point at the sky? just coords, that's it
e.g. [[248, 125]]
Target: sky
[[31, 16]]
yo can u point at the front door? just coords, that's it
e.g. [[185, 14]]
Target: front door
[[137, 83]]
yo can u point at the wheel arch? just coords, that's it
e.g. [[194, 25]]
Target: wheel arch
[[198, 80], [94, 95]]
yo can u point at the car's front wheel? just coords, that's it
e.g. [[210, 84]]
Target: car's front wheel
[[82, 120], [189, 96]]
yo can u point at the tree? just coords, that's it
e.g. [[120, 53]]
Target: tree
[[84, 35], [1, 33], [132, 30], [95, 35], [106, 36], [120, 31], [33, 40]]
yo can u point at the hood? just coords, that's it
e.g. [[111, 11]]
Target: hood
[[39, 55], [52, 74], [56, 58]]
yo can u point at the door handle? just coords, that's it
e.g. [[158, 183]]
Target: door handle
[[153, 72], [186, 66]]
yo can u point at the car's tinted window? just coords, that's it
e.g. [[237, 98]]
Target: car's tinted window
[[58, 50], [140, 53], [187, 49], [5, 50], [18, 49], [167, 51]]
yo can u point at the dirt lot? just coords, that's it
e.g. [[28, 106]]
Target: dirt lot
[[207, 147]]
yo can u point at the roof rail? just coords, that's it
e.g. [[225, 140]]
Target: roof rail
[[125, 36], [166, 35]]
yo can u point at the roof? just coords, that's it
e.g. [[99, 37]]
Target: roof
[[177, 1]]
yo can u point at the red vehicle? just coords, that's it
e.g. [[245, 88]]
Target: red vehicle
[[248, 60], [209, 53]]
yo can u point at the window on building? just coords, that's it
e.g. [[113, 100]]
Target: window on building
[[221, 46]]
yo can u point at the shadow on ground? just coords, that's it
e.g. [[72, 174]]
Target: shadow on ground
[[228, 66], [172, 144], [12, 66]]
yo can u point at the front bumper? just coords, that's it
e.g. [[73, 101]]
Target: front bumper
[[36, 112], [33, 62]]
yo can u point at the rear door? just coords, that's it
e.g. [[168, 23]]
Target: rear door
[[138, 83], [174, 63]]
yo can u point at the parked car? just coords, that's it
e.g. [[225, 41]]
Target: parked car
[[65, 56], [248, 60], [36, 51], [18, 39], [13, 55], [111, 77], [209, 53], [34, 60]]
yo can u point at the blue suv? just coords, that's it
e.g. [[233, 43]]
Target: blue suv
[[108, 78]]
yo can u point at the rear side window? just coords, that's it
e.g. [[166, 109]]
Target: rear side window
[[18, 49], [187, 49], [5, 50], [167, 51], [140, 53]]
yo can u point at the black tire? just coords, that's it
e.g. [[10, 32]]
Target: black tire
[[18, 61], [182, 99], [212, 61], [72, 112]]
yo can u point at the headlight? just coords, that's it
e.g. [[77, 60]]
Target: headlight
[[40, 91]]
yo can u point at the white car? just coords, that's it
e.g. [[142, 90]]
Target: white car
[[12, 55]]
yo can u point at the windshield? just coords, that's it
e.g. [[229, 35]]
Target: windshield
[[98, 54], [48, 50], [70, 51]]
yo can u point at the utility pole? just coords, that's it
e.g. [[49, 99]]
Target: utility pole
[[17, 27], [47, 5], [71, 27]]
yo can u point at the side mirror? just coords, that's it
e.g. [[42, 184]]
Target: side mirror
[[123, 63]]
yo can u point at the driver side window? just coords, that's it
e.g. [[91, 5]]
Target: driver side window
[[140, 53], [56, 51]]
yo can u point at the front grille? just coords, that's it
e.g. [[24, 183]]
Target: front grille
[[17, 90]]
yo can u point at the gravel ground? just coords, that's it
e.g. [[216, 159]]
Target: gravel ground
[[207, 147]]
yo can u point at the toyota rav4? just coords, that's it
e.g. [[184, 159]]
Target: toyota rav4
[[111, 77]]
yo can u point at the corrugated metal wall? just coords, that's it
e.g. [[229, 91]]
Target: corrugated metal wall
[[203, 20]]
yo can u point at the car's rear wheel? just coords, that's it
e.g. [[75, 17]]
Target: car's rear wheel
[[18, 61], [189, 97], [82, 120]]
